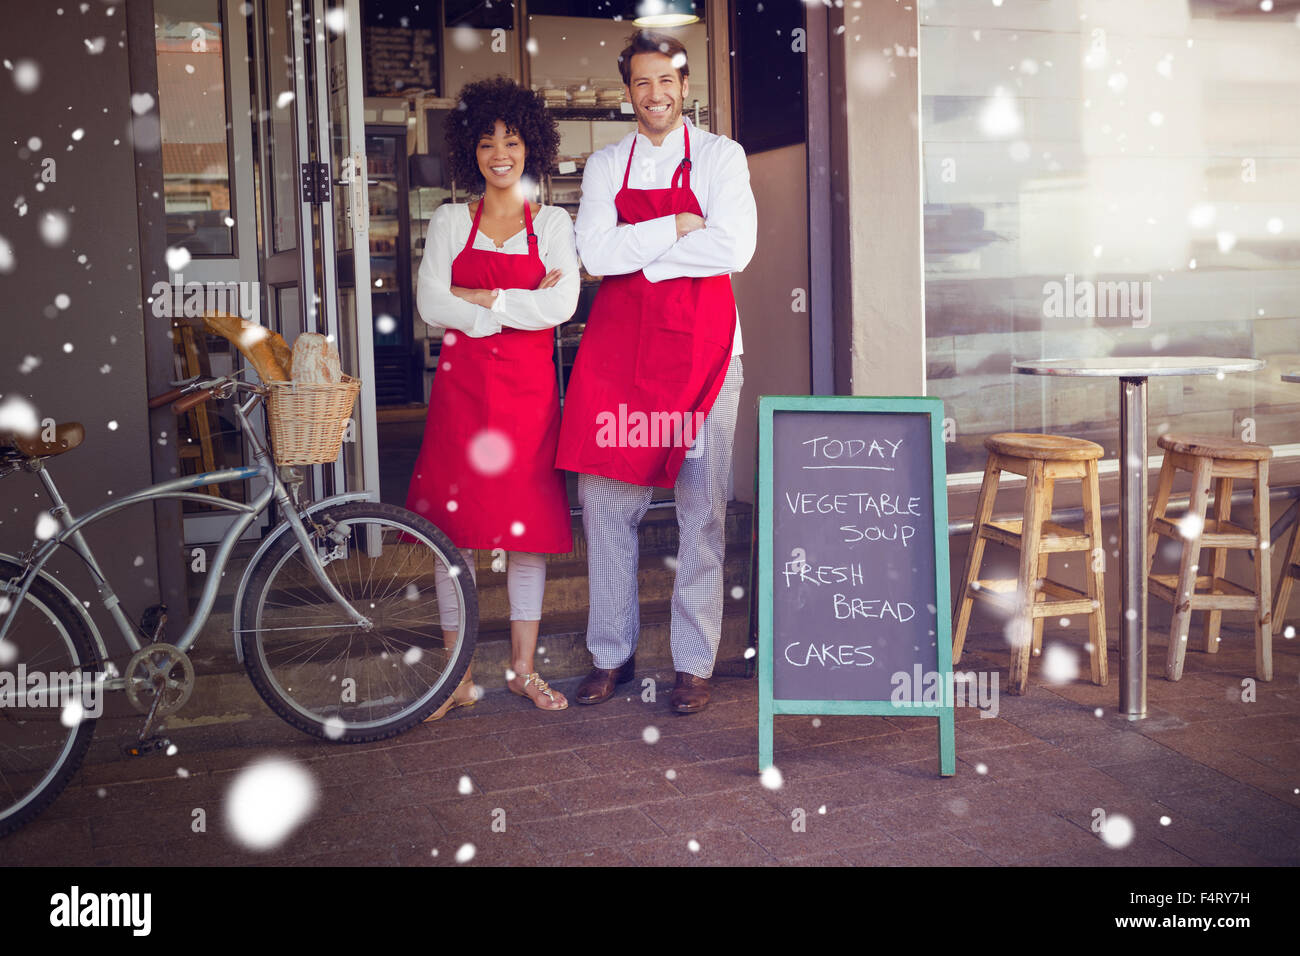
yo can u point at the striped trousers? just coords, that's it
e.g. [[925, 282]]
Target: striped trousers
[[611, 512]]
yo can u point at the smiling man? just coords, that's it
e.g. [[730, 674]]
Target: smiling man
[[667, 215]]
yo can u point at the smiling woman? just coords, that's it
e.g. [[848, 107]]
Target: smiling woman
[[499, 274]]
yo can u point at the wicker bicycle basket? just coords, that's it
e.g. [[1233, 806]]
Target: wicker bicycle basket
[[308, 419]]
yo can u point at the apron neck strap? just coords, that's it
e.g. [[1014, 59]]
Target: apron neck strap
[[469, 243], [681, 175], [683, 171], [528, 226]]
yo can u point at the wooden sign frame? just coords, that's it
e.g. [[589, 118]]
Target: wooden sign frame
[[768, 706]]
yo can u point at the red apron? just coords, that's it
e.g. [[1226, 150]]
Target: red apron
[[652, 360], [485, 474]]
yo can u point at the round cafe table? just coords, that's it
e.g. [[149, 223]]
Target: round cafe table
[[1133, 372]]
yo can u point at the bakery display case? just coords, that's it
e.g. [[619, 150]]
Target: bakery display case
[[398, 364]]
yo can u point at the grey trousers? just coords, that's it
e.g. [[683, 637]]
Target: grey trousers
[[611, 513]]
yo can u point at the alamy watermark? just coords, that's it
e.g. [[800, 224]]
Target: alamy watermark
[[75, 693], [1086, 299], [173, 300], [658, 429], [953, 689]]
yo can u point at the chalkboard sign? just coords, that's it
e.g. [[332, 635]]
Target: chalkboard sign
[[854, 612]]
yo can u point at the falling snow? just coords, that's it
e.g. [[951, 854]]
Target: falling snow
[[268, 800], [1117, 832], [19, 415], [46, 526], [490, 452], [54, 228], [27, 76], [1000, 116], [1060, 665], [72, 714]]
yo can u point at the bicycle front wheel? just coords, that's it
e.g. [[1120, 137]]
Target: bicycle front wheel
[[51, 688], [327, 675]]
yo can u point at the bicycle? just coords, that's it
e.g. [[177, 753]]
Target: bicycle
[[335, 617]]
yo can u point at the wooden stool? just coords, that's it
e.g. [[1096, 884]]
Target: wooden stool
[[1218, 460], [1290, 571], [1042, 459]]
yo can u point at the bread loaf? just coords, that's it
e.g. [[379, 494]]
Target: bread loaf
[[257, 343], [283, 354], [315, 360]]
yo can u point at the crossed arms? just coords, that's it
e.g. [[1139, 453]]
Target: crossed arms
[[527, 309], [725, 244]]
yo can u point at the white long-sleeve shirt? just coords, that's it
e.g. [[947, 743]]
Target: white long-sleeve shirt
[[720, 181], [449, 229]]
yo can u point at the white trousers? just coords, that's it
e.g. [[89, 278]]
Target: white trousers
[[611, 512], [525, 587]]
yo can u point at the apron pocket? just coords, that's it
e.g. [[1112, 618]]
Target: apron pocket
[[664, 356]]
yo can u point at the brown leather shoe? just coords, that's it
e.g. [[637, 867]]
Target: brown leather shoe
[[598, 686], [691, 695]]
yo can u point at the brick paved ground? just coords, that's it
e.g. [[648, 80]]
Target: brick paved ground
[[584, 787]]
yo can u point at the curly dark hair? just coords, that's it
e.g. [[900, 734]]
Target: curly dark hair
[[523, 111]]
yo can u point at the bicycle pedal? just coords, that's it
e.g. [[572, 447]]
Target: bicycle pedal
[[143, 748]]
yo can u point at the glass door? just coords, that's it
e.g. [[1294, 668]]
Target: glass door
[[289, 182], [201, 49], [344, 227], [313, 203]]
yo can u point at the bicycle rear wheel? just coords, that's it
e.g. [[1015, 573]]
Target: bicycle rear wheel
[[50, 693], [326, 675]]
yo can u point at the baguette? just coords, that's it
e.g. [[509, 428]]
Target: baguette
[[262, 347]]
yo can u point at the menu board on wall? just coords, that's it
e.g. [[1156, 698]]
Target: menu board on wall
[[398, 60], [853, 561], [401, 47]]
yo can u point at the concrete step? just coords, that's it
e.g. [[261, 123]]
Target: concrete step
[[657, 535], [223, 687], [224, 694], [567, 587]]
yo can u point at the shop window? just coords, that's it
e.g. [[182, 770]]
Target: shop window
[[767, 73], [1106, 179], [195, 138]]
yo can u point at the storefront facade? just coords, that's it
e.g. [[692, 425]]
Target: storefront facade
[[951, 161]]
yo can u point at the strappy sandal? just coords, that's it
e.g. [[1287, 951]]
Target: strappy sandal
[[543, 689], [454, 701]]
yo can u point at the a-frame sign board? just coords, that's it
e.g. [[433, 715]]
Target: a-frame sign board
[[854, 608]]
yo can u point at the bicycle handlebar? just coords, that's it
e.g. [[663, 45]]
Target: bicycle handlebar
[[158, 401], [185, 397], [182, 405]]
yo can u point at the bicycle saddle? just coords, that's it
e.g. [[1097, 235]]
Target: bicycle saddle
[[67, 436]]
